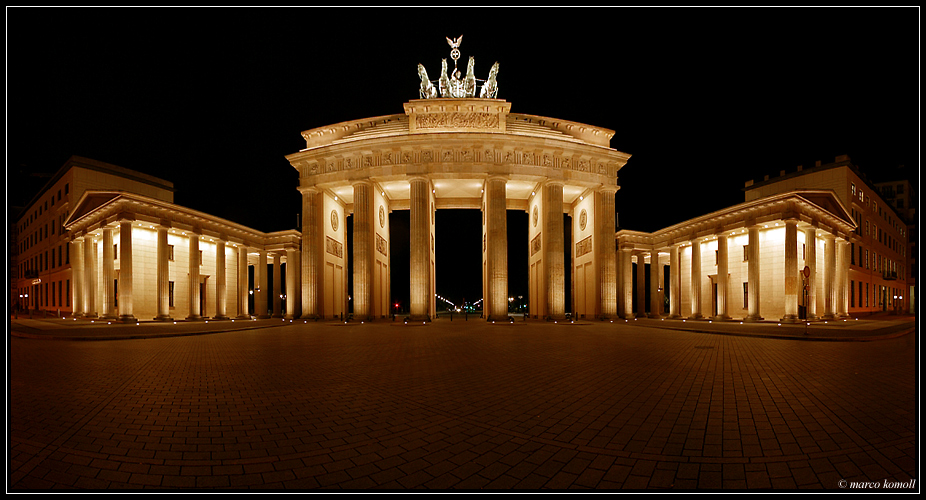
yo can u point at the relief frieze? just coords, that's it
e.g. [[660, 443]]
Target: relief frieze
[[380, 244], [583, 247], [457, 120], [334, 247], [535, 244]]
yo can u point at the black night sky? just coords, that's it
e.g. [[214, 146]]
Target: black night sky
[[703, 98]]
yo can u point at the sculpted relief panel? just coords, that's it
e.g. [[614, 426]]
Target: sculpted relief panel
[[457, 120], [544, 158]]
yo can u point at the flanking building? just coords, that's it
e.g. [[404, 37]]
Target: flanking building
[[783, 257], [102, 241], [136, 257], [878, 250], [41, 257]]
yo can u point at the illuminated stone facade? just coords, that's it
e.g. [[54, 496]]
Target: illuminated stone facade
[[139, 258], [879, 256], [458, 153], [783, 257], [41, 255]]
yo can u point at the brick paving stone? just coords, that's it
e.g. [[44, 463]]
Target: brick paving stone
[[736, 416]]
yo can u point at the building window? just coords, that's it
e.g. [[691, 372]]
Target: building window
[[852, 293], [716, 257], [866, 294], [803, 251], [66, 189], [745, 253], [170, 252], [170, 293], [853, 190], [866, 259], [52, 293], [67, 253], [67, 292], [852, 252], [200, 257], [59, 295], [745, 295]]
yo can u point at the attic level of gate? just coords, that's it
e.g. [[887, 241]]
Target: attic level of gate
[[424, 116]]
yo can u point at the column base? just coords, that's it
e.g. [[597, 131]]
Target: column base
[[790, 318], [128, 318], [812, 317], [696, 316], [243, 316], [753, 319], [629, 316], [721, 317], [163, 318], [828, 316], [194, 318], [313, 317], [109, 317], [675, 316], [220, 317]]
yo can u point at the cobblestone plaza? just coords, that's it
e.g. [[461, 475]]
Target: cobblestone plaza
[[462, 405]]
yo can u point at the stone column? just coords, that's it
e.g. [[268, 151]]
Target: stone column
[[107, 311], [309, 260], [277, 288], [829, 276], [641, 285], [675, 284], [496, 304], [89, 294], [77, 277], [553, 250], [419, 249], [752, 252], [723, 279], [810, 260], [791, 277], [297, 271], [243, 312], [260, 276], [842, 278], [627, 280], [125, 272], [655, 272], [363, 250], [195, 312], [163, 276], [695, 279], [290, 283], [221, 291], [607, 267]]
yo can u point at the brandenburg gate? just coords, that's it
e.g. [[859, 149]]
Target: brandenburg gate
[[458, 151]]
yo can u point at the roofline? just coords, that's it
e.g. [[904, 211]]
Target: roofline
[[125, 195], [99, 166]]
